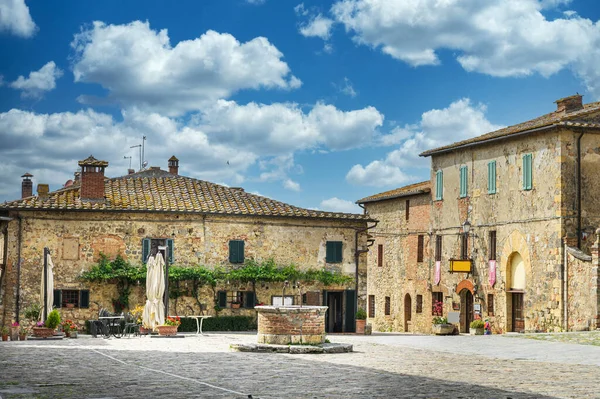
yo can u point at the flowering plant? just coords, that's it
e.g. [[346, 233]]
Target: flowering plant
[[15, 324], [39, 324], [23, 330], [137, 313], [173, 321], [69, 325]]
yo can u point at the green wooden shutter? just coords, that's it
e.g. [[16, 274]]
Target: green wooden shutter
[[233, 251], [84, 299], [527, 178], [327, 312], [492, 177], [222, 299], [241, 248], [338, 252], [439, 185], [57, 299], [171, 247], [330, 252], [145, 250], [463, 181], [249, 300], [350, 311]]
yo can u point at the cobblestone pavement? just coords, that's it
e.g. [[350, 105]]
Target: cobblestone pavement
[[382, 366], [583, 338]]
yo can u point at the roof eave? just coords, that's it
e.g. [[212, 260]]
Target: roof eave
[[389, 197]]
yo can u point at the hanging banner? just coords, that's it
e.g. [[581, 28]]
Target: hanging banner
[[438, 272], [492, 273]]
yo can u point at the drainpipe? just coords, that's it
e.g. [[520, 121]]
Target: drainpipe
[[357, 253], [565, 286], [578, 190], [18, 294]]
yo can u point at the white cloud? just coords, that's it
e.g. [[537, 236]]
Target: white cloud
[[38, 82], [317, 26], [139, 67], [289, 184], [459, 121], [256, 2], [347, 88], [496, 37], [339, 205], [15, 18]]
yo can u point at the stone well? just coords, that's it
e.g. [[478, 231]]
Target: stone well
[[283, 325]]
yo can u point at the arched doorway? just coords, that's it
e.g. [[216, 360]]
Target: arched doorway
[[516, 292], [466, 310], [407, 312]]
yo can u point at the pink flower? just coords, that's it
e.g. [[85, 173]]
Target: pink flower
[[15, 324]]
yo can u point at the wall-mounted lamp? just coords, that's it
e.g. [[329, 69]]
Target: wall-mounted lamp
[[466, 227]]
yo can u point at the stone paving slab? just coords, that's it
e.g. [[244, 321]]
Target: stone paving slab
[[382, 366]]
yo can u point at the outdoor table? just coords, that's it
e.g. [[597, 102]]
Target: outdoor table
[[112, 325], [198, 323]]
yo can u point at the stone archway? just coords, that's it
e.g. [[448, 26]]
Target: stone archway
[[515, 272]]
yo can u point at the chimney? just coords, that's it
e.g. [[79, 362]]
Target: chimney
[[130, 171], [92, 178], [569, 104], [173, 165], [27, 185], [76, 177], [42, 190]]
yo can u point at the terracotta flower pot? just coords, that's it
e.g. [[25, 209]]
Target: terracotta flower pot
[[22, 337], [144, 330], [4, 337], [167, 330], [235, 306], [43, 332], [360, 326]]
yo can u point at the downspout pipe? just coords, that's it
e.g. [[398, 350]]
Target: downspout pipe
[[18, 294], [357, 253], [578, 189]]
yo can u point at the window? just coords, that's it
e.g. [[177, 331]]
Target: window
[[72, 298], [236, 251], [439, 185], [492, 177], [490, 304], [288, 300], [380, 255], [527, 182], [438, 248], [334, 252], [492, 245], [437, 303], [245, 299], [464, 246], [387, 306], [419, 303], [420, 244], [463, 181], [151, 246], [371, 305], [407, 209]]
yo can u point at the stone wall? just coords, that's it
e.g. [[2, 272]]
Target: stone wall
[[291, 325], [76, 239]]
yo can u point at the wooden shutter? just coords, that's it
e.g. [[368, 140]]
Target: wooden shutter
[[222, 299], [84, 298], [57, 299], [438, 248], [419, 303], [171, 247], [492, 177], [380, 255], [236, 251], [439, 185], [338, 252], [371, 305], [350, 311], [249, 300], [145, 250], [407, 209], [463, 181], [420, 247], [527, 178], [492, 245], [388, 306], [333, 252]]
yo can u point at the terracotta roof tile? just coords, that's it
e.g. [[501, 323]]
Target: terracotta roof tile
[[412, 189], [157, 190]]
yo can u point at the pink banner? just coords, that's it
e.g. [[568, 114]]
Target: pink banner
[[438, 272], [492, 273]]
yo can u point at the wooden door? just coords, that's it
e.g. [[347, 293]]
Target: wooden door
[[407, 312], [468, 310], [518, 321]]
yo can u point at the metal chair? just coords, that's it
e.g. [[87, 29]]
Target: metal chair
[[99, 326], [130, 326]]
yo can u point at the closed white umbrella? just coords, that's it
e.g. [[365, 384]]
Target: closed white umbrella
[[49, 287], [154, 311]]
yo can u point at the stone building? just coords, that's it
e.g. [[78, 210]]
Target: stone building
[[513, 215], [399, 263], [200, 223]]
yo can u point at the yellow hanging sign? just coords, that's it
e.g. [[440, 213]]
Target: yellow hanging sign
[[461, 265]]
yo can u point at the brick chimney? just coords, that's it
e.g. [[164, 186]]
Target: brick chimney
[[130, 171], [569, 104], [27, 185], [43, 190], [92, 178], [173, 165]]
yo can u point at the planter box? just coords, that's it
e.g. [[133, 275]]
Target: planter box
[[43, 332], [360, 326], [442, 329], [167, 330], [476, 331]]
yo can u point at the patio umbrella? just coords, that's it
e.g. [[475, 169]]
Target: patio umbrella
[[49, 288], [154, 311]]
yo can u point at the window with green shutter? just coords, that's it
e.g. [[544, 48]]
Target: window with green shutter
[[527, 173], [334, 252], [439, 185], [463, 181], [492, 177], [145, 250], [222, 299], [236, 251]]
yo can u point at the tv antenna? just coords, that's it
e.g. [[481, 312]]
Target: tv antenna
[[126, 157], [140, 147]]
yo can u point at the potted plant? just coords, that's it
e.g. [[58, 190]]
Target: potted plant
[[170, 326], [70, 328], [23, 331], [4, 330], [361, 320], [440, 324], [137, 315], [476, 327], [46, 329], [14, 331]]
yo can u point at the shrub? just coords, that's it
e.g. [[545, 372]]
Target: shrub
[[53, 319], [440, 320], [33, 311], [477, 324], [361, 314]]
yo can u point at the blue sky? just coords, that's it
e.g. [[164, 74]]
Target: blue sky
[[314, 103]]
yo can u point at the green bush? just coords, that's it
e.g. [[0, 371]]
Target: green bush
[[53, 319], [477, 324], [361, 314], [220, 323]]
